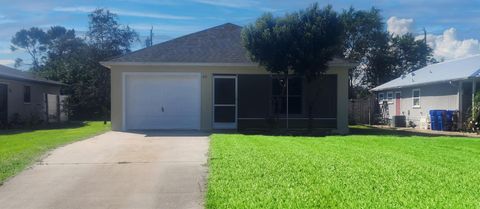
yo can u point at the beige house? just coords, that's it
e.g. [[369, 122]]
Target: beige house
[[205, 81], [25, 97]]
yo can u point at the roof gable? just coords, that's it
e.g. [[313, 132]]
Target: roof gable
[[220, 44], [458, 69]]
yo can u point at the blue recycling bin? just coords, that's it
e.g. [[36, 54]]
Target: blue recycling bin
[[433, 119], [440, 120]]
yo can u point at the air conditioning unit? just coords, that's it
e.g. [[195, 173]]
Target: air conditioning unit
[[398, 121]]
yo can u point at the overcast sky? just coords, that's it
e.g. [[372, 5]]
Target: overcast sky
[[453, 26]]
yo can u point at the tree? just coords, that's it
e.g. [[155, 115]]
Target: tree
[[393, 56], [360, 27], [362, 30], [302, 43], [411, 54], [381, 55], [378, 62], [107, 35], [33, 42], [75, 61], [106, 38], [268, 42]]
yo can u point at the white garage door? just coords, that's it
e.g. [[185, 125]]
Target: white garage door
[[162, 101]]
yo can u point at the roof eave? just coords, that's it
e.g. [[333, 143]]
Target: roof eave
[[417, 84], [33, 80], [109, 64]]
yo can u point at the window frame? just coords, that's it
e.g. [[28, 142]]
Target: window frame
[[279, 97], [413, 98], [27, 95], [390, 97]]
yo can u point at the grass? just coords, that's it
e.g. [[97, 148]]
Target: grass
[[20, 148], [368, 169]]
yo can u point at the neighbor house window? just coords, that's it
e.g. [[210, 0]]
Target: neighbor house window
[[390, 97], [381, 97], [279, 96], [26, 94], [416, 97]]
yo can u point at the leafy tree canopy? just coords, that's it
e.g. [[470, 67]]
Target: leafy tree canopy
[[59, 54], [381, 55], [302, 42]]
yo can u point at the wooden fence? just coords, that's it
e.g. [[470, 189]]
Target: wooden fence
[[362, 111]]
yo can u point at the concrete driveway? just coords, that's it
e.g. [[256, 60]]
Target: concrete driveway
[[116, 170]]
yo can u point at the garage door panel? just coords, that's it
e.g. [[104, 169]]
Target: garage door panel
[[162, 101]]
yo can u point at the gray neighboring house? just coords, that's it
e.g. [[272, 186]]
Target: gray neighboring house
[[205, 81], [448, 85], [27, 96]]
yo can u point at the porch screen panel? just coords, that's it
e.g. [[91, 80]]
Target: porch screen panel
[[254, 92]]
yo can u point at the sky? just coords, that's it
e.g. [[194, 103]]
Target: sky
[[453, 26]]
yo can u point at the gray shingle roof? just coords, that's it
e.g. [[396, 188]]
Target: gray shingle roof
[[458, 69], [11, 73], [220, 44]]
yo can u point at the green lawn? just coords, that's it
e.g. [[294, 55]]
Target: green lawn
[[368, 169], [20, 148]]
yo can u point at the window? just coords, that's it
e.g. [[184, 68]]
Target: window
[[26, 94], [390, 97], [416, 97], [381, 97], [279, 98]]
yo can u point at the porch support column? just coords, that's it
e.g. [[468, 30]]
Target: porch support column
[[474, 89]]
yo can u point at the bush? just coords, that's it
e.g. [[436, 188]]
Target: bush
[[472, 124]]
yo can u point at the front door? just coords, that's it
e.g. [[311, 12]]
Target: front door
[[398, 96], [3, 104], [225, 102]]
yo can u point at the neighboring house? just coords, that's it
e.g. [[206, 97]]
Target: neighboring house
[[24, 96], [205, 81], [447, 85]]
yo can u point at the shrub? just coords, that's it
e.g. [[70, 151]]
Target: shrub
[[473, 120]]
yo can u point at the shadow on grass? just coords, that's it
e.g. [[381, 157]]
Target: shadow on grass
[[354, 130], [280, 132], [373, 131], [51, 126]]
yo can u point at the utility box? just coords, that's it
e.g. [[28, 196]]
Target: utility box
[[399, 121]]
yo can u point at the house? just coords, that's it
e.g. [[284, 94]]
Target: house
[[25, 97], [205, 81], [448, 85]]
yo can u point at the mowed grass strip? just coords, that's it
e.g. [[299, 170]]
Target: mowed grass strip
[[20, 148], [355, 171]]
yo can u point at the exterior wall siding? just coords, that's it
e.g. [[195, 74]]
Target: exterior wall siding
[[442, 96], [207, 73], [36, 107]]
